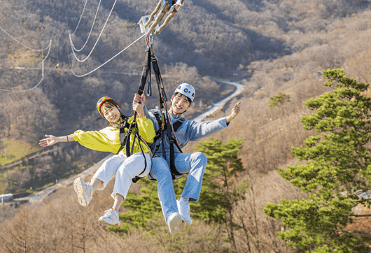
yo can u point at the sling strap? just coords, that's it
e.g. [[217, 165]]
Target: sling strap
[[133, 126]]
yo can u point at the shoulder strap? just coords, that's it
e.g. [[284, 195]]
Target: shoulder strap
[[159, 119], [178, 124], [122, 128], [124, 138]]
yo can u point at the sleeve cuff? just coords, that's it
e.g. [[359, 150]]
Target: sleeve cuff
[[225, 121]]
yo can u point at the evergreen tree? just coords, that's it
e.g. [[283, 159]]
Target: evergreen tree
[[217, 195], [279, 100], [141, 207], [338, 165]]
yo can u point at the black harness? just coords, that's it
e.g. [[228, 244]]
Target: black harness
[[164, 119], [125, 143], [172, 140], [125, 139]]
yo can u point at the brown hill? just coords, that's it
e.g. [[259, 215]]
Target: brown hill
[[273, 46]]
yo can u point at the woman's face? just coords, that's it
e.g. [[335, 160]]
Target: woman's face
[[112, 114]]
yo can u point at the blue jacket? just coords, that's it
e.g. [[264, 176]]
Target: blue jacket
[[188, 131]]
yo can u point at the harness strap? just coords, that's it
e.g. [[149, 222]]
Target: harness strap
[[146, 70], [136, 178], [167, 119], [159, 133], [172, 142], [122, 130]]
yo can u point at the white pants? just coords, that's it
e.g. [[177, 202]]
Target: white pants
[[125, 168]]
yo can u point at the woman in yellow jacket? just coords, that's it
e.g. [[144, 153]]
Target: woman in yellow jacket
[[110, 139]]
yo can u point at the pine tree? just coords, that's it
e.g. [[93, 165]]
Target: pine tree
[[338, 165], [279, 100], [141, 207], [217, 195]]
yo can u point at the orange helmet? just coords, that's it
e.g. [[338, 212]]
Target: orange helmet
[[104, 99]]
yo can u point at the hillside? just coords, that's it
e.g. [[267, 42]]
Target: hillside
[[272, 46]]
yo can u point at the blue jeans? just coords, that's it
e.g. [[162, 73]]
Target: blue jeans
[[192, 163]]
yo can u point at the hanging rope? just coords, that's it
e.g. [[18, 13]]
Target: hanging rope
[[91, 29], [82, 13], [108, 60], [96, 42], [42, 73], [92, 71], [36, 50]]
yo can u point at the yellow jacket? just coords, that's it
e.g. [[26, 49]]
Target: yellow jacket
[[108, 139]]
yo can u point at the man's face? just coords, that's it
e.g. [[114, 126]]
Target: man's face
[[179, 103]]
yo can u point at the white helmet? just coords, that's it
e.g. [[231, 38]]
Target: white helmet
[[187, 90]]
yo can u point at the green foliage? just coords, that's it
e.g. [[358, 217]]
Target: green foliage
[[223, 165], [141, 207], [338, 165], [279, 100], [218, 195], [12, 150]]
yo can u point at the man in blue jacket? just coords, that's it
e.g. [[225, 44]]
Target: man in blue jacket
[[192, 163]]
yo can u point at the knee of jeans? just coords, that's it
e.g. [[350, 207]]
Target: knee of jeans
[[161, 171], [201, 156]]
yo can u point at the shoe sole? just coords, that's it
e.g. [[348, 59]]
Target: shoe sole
[[108, 223], [175, 223], [77, 185]]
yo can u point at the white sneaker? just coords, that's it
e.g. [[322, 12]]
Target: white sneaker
[[173, 222], [110, 217], [84, 191], [184, 210]]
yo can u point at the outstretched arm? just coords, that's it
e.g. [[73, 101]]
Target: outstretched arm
[[234, 113], [202, 129], [51, 140]]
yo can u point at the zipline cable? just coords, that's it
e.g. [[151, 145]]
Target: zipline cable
[[69, 59], [13, 21], [91, 29], [36, 50], [42, 73], [109, 59], [91, 51], [82, 13]]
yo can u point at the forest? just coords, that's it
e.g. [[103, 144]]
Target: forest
[[270, 47]]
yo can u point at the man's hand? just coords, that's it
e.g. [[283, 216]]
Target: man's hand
[[234, 113]]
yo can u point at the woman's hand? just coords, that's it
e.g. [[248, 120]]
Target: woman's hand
[[138, 104], [139, 99], [234, 113], [48, 141]]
